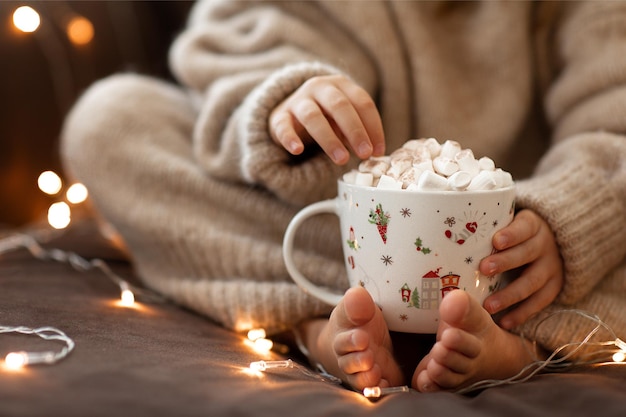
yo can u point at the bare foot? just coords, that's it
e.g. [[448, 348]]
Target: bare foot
[[470, 347], [354, 344]]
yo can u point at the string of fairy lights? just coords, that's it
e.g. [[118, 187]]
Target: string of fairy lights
[[80, 31], [258, 341]]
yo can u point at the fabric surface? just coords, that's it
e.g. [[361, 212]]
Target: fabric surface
[[161, 360]]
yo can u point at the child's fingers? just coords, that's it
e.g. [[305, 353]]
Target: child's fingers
[[368, 114], [334, 112], [314, 120], [535, 302], [283, 130], [538, 285], [510, 258], [525, 225], [340, 108]]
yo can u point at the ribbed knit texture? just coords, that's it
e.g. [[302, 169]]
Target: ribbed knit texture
[[201, 195]]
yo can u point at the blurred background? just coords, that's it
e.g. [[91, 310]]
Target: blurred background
[[50, 51]]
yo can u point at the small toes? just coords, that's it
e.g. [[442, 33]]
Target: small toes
[[360, 370], [450, 359], [424, 383], [442, 376], [457, 340], [356, 362], [355, 340]]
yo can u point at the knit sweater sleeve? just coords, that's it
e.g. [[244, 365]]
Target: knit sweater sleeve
[[580, 185], [241, 59]]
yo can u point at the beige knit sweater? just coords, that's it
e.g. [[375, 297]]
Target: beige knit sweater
[[190, 178]]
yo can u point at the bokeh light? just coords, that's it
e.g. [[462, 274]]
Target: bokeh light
[[80, 30], [77, 193], [26, 19], [59, 215], [49, 182]]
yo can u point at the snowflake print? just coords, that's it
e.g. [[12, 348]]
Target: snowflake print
[[404, 317], [405, 212], [469, 260], [386, 259], [450, 221]]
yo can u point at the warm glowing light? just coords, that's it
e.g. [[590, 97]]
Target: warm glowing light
[[26, 19], [377, 392], [59, 215], [260, 366], [49, 182], [77, 193], [256, 334], [127, 298], [80, 31], [263, 345], [619, 356], [16, 360], [372, 392]]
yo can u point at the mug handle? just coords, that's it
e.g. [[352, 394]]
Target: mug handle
[[321, 207]]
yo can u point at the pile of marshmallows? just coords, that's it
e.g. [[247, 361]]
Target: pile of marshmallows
[[427, 165]]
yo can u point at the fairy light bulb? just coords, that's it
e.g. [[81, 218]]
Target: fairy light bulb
[[377, 392], [619, 356], [59, 215], [261, 366], [127, 296], [77, 193], [263, 345], [49, 182], [26, 19], [16, 360], [256, 334]]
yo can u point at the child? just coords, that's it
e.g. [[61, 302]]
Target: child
[[201, 180]]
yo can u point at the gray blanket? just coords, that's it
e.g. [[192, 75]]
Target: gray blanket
[[160, 360]]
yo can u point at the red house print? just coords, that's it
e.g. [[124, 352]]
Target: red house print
[[449, 283]]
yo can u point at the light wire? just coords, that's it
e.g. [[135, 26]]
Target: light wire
[[46, 333], [22, 240]]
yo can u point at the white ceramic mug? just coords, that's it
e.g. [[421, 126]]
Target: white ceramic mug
[[409, 248]]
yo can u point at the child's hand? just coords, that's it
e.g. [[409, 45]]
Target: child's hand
[[528, 241], [332, 111]]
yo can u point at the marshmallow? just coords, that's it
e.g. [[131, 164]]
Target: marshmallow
[[450, 148], [467, 162], [485, 180], [410, 176], [486, 164], [433, 146], [413, 144], [350, 177], [364, 178], [505, 178], [395, 171], [445, 166], [377, 166], [460, 180], [389, 183], [424, 164], [401, 164], [431, 181]]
